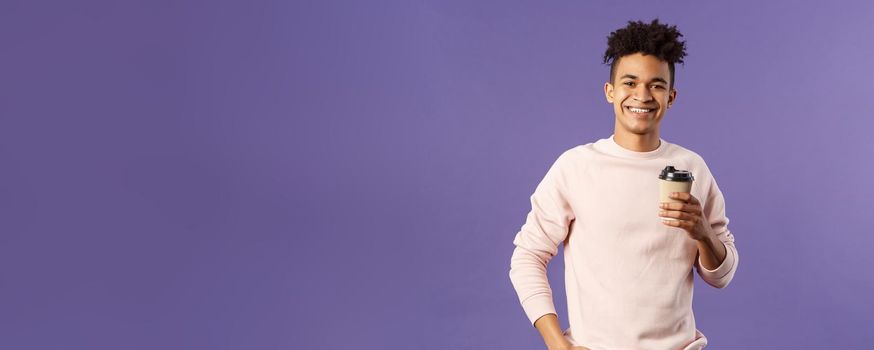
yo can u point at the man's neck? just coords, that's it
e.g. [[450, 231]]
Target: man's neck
[[638, 143]]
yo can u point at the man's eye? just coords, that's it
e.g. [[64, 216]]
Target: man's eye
[[629, 83], [658, 87]]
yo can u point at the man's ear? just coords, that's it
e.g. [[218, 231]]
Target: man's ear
[[672, 97], [608, 92]]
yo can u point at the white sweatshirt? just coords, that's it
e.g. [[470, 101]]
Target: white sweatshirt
[[628, 276]]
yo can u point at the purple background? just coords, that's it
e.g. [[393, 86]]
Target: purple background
[[322, 175]]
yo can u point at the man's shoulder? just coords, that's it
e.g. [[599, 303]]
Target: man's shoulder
[[577, 153], [693, 161], [681, 152]]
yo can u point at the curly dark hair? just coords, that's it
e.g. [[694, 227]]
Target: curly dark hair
[[656, 39]]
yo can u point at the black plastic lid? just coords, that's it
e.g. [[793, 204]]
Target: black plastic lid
[[669, 173]]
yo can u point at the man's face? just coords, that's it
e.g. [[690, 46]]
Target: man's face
[[640, 93]]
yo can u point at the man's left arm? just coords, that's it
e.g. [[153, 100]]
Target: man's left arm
[[708, 226]]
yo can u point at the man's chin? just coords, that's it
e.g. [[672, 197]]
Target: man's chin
[[640, 131]]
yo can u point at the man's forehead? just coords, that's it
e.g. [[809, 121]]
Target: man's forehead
[[652, 78], [642, 67]]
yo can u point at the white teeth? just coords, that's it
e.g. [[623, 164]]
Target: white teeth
[[639, 110]]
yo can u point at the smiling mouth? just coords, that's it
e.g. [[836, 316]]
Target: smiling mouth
[[640, 110]]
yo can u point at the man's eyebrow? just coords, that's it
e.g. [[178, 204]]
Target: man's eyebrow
[[634, 77]]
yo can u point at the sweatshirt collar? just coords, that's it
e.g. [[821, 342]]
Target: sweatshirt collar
[[609, 146]]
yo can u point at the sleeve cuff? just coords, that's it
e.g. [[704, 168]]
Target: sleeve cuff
[[537, 306], [722, 271]]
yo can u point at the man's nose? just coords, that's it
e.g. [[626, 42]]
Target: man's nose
[[642, 94]]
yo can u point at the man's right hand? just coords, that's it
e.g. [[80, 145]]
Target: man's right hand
[[552, 335], [574, 348]]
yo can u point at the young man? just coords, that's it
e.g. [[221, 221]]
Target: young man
[[628, 269]]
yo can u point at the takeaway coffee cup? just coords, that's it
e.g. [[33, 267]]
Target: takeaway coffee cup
[[673, 180]]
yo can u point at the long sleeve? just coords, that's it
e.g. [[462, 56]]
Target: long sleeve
[[537, 242], [714, 210]]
